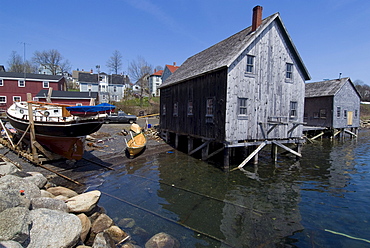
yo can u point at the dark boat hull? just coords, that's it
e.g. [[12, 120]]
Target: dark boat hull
[[58, 129]]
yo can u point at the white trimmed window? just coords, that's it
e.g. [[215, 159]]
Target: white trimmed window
[[242, 108], [45, 84], [250, 64], [293, 110], [164, 109], [16, 98], [21, 83], [2, 99], [190, 107], [1, 82], [289, 71], [175, 109]]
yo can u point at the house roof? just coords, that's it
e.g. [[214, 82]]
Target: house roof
[[327, 87], [172, 68], [30, 76], [225, 52], [158, 73], [57, 94]]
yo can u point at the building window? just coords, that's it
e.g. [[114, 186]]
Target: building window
[[289, 71], [345, 114], [250, 64], [209, 107], [2, 99], [115, 88], [45, 84], [89, 86], [323, 113], [190, 107], [16, 98], [1, 82], [78, 104], [293, 110], [175, 109], [21, 83], [164, 109], [242, 106], [356, 113], [338, 112]]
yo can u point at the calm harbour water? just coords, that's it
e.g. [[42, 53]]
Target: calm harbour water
[[320, 201]]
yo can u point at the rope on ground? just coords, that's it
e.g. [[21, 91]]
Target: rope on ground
[[168, 219], [347, 236]]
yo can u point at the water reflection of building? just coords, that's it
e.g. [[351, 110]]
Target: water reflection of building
[[240, 212]]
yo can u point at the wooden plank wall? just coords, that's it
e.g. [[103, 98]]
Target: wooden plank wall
[[198, 90], [268, 92]]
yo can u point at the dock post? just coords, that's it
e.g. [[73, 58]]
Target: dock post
[[190, 144], [177, 141], [299, 150], [32, 129], [274, 150], [205, 151], [226, 158]]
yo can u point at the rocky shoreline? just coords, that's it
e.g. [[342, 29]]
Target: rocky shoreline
[[36, 213]]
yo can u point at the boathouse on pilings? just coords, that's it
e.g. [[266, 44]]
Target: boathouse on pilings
[[246, 91], [332, 108]]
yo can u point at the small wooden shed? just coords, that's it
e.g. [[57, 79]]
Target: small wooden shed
[[245, 91], [333, 104]]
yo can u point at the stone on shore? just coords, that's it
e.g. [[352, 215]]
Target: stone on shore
[[10, 182], [52, 228], [162, 240], [83, 203], [103, 240], [37, 178], [10, 244], [14, 224], [86, 225], [101, 223], [50, 203], [44, 193], [56, 191], [7, 168], [116, 233]]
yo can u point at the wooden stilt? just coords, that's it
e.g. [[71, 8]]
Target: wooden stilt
[[299, 150], [190, 144], [259, 148], [205, 150], [287, 148], [274, 150], [226, 159], [177, 141], [200, 147], [32, 129]]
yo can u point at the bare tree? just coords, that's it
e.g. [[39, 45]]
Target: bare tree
[[16, 64], [52, 60], [139, 70], [115, 62]]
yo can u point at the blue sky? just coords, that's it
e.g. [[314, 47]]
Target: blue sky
[[332, 36]]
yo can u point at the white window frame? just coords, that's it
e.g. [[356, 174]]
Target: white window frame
[[4, 99], [293, 110], [249, 68], [176, 109], [14, 98], [190, 107], [20, 84], [242, 108], [1, 82], [45, 84], [289, 71]]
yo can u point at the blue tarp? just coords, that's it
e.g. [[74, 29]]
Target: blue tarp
[[98, 108]]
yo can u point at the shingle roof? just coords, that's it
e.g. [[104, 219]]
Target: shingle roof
[[57, 94], [326, 88], [225, 52], [17, 75]]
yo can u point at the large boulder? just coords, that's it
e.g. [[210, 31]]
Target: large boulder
[[52, 228], [50, 203], [16, 192], [14, 224], [56, 191], [162, 240], [7, 168], [83, 203], [10, 244], [37, 178]]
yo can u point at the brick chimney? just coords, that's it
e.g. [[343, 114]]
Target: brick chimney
[[257, 17]]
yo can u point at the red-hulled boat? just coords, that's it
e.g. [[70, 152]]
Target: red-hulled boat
[[55, 127]]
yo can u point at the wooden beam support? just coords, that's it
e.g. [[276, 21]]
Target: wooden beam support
[[200, 147], [259, 148], [351, 133], [214, 153], [287, 148], [7, 133], [317, 136]]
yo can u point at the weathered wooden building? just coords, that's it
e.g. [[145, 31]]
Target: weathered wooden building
[[332, 104], [245, 91]]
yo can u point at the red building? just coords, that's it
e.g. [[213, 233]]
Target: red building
[[14, 86]]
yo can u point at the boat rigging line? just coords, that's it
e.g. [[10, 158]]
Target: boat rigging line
[[168, 219]]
